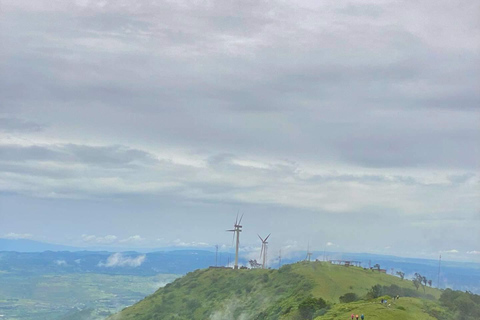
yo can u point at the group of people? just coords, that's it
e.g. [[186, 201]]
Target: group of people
[[355, 316]]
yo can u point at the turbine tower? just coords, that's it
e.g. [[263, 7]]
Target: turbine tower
[[263, 252], [237, 228]]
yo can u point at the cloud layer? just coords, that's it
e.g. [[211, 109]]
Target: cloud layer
[[359, 115]]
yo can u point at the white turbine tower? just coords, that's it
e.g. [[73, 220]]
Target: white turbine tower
[[237, 228], [263, 252]]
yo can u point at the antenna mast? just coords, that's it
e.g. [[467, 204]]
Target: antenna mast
[[309, 254]]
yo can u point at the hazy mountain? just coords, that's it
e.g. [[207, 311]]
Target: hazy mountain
[[26, 245]]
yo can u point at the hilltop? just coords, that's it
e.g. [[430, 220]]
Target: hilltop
[[281, 294]]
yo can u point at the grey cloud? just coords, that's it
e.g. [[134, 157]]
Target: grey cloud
[[72, 153], [362, 10], [461, 178], [19, 125], [16, 153], [109, 155]]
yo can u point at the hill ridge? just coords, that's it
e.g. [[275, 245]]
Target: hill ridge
[[219, 294]]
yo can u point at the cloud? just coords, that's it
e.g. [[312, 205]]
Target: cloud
[[326, 110], [18, 125], [60, 262], [108, 239], [473, 252], [450, 251], [329, 244], [113, 156], [119, 260], [180, 243], [133, 239], [17, 236], [55, 172]]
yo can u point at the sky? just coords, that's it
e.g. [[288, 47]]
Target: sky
[[349, 126]]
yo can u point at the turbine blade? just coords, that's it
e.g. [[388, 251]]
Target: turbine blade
[[233, 238], [267, 237], [236, 220], [261, 252], [230, 230], [240, 219], [260, 237]]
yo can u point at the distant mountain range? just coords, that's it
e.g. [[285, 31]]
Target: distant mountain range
[[26, 245], [32, 257]]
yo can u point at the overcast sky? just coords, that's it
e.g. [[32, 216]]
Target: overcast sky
[[151, 123]]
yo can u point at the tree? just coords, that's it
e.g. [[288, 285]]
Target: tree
[[418, 280], [430, 283], [416, 283], [401, 274], [375, 291], [377, 266]]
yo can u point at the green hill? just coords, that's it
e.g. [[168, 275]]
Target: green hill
[[277, 294]]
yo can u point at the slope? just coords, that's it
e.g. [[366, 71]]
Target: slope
[[405, 308]]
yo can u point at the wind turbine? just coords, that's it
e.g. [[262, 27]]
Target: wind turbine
[[263, 252], [237, 228]]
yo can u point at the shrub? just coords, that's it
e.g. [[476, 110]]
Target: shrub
[[348, 297]]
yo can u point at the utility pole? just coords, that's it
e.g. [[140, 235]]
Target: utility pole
[[438, 277], [216, 255]]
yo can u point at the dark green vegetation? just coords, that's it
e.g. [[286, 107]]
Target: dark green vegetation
[[72, 296], [305, 290], [465, 305]]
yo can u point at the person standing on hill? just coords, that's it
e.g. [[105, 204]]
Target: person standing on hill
[[362, 316], [353, 316], [356, 316]]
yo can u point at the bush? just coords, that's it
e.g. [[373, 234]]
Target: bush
[[348, 297], [309, 306]]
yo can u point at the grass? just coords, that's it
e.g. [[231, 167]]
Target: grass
[[405, 308], [331, 281]]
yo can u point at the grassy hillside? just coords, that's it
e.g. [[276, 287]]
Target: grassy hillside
[[273, 294], [331, 281], [404, 308]]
